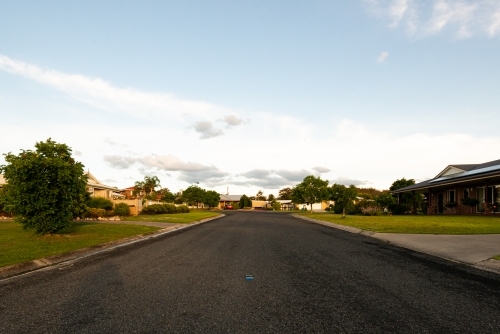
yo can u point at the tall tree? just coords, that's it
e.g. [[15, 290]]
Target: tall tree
[[285, 193], [408, 201], [271, 198], [343, 195], [311, 190], [147, 187], [46, 188], [166, 195], [194, 195], [211, 198], [245, 202], [260, 196]]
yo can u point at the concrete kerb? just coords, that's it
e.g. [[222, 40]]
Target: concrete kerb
[[65, 259], [490, 265]]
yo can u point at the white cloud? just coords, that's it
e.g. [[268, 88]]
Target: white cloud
[[232, 120], [464, 18], [101, 94], [348, 181], [207, 130], [383, 56]]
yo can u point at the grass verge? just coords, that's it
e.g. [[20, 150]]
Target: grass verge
[[17, 245], [416, 224], [177, 218]]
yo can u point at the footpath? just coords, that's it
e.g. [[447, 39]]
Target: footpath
[[474, 250], [63, 260]]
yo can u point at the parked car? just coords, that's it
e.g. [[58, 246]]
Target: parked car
[[228, 207]]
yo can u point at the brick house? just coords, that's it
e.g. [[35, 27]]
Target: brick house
[[456, 182]]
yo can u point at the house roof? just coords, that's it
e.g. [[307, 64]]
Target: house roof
[[94, 182], [230, 198], [469, 172]]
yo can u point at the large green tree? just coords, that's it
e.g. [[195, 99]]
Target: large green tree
[[343, 195], [245, 202], [46, 188], [194, 195], [311, 190], [147, 187], [211, 198], [285, 193], [407, 201]]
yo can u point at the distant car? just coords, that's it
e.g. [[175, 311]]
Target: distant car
[[228, 207]]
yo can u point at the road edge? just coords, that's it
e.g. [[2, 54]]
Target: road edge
[[24, 268], [489, 265]]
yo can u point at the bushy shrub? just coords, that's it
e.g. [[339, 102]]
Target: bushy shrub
[[100, 203], [122, 209], [96, 213], [398, 209], [156, 209], [350, 209]]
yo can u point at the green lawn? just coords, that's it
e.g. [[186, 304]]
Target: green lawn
[[17, 245], [177, 218], [421, 224]]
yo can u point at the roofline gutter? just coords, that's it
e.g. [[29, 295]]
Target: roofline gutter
[[442, 184]]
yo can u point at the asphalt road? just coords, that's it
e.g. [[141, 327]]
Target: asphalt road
[[307, 278]]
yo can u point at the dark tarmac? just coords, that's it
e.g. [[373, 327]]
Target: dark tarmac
[[305, 278]]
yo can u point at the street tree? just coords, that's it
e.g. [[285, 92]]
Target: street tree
[[342, 195], [211, 198], [194, 195], [46, 188], [271, 198], [166, 195], [311, 190], [260, 196]]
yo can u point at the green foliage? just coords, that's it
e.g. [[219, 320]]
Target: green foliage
[[46, 188], [260, 196], [398, 209], [451, 205], [194, 195], [270, 198], [311, 190], [408, 200], [96, 213], [245, 202], [166, 195], [276, 206], [156, 209], [146, 188], [285, 193], [469, 201], [211, 198], [385, 200], [100, 203], [343, 196], [122, 209], [4, 206]]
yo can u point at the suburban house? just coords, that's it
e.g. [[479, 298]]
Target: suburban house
[[229, 200], [445, 192], [2, 181], [316, 206], [98, 189]]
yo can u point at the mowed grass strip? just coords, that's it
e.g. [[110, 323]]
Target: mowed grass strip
[[421, 224], [17, 245], [176, 218]]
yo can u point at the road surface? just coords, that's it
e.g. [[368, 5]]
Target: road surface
[[306, 278]]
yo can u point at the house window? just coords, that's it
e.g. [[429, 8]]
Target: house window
[[451, 195]]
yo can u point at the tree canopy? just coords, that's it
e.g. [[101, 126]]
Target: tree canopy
[[311, 190], [194, 195], [285, 193], [147, 187], [245, 202], [46, 188], [343, 195], [211, 198]]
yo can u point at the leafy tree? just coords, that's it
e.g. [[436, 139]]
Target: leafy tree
[[385, 200], [211, 198], [166, 195], [178, 198], [260, 196], [285, 193], [271, 198], [46, 188], [407, 201], [311, 190], [194, 195], [4, 206], [343, 196], [245, 202]]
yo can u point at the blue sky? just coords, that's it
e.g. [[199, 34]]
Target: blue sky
[[253, 95]]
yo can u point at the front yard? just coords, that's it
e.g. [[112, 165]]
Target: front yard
[[17, 245], [421, 224], [176, 218]]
